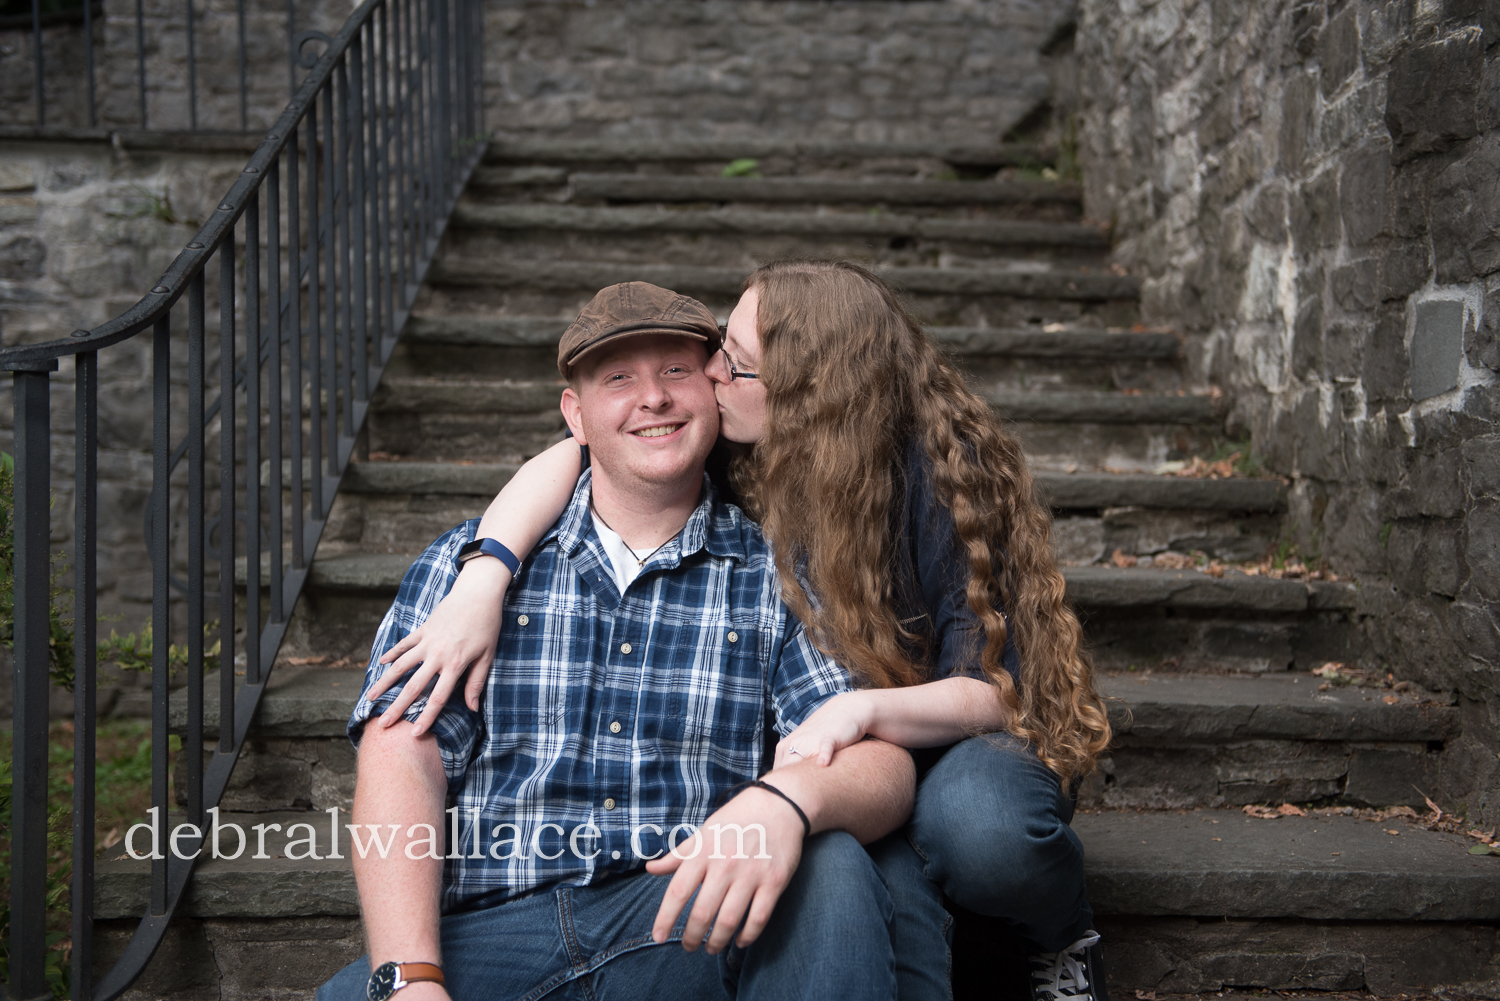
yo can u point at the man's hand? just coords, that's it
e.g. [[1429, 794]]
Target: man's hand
[[744, 881], [459, 636]]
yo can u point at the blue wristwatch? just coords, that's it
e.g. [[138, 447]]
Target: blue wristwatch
[[488, 547]]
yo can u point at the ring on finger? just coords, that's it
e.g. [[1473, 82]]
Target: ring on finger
[[793, 750]]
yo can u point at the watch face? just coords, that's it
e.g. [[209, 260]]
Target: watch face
[[382, 982]]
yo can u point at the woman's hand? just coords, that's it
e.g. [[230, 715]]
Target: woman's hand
[[461, 633], [839, 722]]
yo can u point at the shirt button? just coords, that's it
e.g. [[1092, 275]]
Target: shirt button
[[524, 620], [734, 637], [624, 647], [609, 804], [614, 727], [614, 854]]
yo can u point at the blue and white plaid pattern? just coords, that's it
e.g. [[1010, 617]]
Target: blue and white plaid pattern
[[687, 663]]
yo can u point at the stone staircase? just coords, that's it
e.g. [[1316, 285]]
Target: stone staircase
[[1215, 706]]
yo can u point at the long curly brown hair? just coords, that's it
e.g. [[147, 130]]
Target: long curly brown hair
[[850, 378]]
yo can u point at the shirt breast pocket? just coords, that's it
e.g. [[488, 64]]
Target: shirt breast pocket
[[718, 696]]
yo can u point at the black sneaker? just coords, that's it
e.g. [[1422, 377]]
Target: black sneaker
[[1076, 973]]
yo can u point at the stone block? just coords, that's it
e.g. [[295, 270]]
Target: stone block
[[1482, 552], [1354, 284], [1385, 363], [1297, 103], [1315, 213], [1363, 193], [1436, 348], [1307, 339], [17, 175], [1465, 217], [1432, 93], [1404, 268], [22, 258], [1338, 49], [1482, 340], [1267, 213], [1382, 776], [1488, 106], [1306, 24], [1078, 540], [1481, 459], [1196, 955]]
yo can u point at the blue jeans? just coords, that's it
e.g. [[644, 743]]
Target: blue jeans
[[990, 832], [828, 938]]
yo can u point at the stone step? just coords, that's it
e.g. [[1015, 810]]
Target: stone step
[[1166, 708], [1063, 491], [816, 190], [1022, 342], [435, 395], [1204, 740], [1133, 618], [1181, 740], [1128, 587], [726, 281], [592, 220], [1315, 901], [718, 152], [1088, 587], [1148, 864], [384, 505]]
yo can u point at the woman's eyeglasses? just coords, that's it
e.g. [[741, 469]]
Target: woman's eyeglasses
[[735, 373]]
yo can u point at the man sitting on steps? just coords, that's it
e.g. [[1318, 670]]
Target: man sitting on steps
[[644, 644]]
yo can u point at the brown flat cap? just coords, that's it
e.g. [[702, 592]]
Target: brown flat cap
[[632, 309]]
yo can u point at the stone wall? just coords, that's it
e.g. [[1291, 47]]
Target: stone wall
[[868, 70], [117, 78], [85, 230], [1310, 190]]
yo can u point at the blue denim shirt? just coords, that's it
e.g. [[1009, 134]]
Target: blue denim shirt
[[608, 720]]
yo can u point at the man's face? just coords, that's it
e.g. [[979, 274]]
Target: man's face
[[646, 410]]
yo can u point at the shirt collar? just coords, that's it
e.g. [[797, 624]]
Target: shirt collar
[[713, 525]]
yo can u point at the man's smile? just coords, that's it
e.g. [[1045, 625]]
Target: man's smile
[[656, 430]]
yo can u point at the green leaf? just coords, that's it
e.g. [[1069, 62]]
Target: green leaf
[[1483, 850], [743, 167]]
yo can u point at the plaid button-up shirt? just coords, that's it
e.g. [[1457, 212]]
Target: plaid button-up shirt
[[608, 720]]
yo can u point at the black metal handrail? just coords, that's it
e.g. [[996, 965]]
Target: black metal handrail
[[314, 282]]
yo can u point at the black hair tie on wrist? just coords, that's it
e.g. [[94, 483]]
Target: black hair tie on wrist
[[768, 787]]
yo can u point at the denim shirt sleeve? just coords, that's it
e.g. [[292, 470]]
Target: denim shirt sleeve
[[425, 584], [942, 570]]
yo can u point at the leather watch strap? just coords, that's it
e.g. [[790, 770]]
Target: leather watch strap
[[416, 972]]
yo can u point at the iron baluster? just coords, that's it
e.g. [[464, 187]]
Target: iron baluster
[[227, 522], [192, 744], [85, 554], [161, 595], [273, 383], [252, 440], [30, 512], [294, 356]]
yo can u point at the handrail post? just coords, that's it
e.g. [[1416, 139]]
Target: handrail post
[[31, 516]]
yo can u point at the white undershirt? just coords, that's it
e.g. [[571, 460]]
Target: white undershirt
[[624, 562]]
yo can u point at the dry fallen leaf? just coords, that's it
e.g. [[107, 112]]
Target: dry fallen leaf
[[1263, 812], [1119, 559], [1288, 810], [1216, 839], [1394, 832], [1389, 700]]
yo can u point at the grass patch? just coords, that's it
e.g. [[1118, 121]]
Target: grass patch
[[122, 795]]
